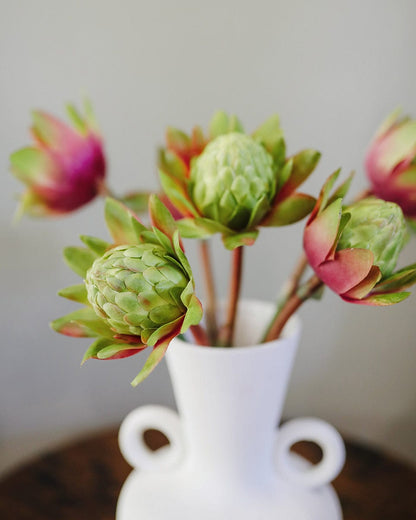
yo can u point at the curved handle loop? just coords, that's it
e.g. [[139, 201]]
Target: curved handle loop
[[314, 430], [135, 450]]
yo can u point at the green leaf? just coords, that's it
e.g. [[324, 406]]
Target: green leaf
[[149, 237], [342, 189], [90, 116], [137, 201], [170, 163], [82, 323], [76, 293], [96, 245], [31, 204], [246, 238], [152, 361], [198, 139], [200, 227], [222, 124], [161, 217], [79, 259], [95, 348], [178, 194], [33, 166], [284, 175], [270, 135], [304, 163], [194, 313], [261, 208], [390, 120], [138, 229], [170, 329], [119, 222], [187, 294], [343, 221], [290, 210], [235, 125], [181, 255], [76, 119], [399, 280], [118, 350], [384, 299], [326, 189], [164, 241], [176, 139]]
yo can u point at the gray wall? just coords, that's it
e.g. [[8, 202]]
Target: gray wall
[[332, 70]]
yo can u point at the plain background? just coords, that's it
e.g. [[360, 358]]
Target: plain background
[[332, 70]]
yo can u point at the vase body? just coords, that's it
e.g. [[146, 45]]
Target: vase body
[[226, 457]]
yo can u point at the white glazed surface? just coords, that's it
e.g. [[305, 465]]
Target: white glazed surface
[[227, 459]]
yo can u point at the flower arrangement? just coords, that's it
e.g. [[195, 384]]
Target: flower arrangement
[[138, 290]]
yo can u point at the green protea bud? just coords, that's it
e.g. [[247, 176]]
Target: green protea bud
[[378, 226], [233, 181], [137, 292], [136, 289]]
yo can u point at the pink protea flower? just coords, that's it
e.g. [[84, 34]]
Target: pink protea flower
[[64, 168], [354, 250], [390, 163]]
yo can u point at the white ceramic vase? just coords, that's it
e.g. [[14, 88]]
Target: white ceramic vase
[[227, 459]]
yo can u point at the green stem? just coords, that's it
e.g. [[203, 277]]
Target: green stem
[[227, 331], [210, 308], [291, 305]]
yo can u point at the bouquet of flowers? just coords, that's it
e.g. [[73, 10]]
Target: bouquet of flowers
[[138, 289]]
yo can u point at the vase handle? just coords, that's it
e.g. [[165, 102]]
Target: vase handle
[[135, 450], [314, 430]]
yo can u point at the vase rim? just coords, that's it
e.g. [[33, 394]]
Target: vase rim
[[291, 330]]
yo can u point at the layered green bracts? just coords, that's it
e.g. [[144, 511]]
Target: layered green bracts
[[138, 291], [376, 225], [354, 249], [231, 183]]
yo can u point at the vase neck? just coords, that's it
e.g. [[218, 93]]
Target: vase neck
[[230, 403]]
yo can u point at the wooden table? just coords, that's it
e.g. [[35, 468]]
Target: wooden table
[[83, 480]]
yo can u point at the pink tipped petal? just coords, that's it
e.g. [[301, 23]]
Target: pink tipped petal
[[400, 143], [35, 167], [64, 169], [321, 233], [363, 288], [52, 133], [391, 121], [349, 268]]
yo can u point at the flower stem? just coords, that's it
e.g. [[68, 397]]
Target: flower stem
[[304, 292], [289, 289], [211, 320], [104, 190], [227, 330], [199, 335]]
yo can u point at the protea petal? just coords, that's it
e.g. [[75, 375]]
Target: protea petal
[[52, 133], [349, 268], [321, 233], [35, 167], [363, 288], [390, 163]]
